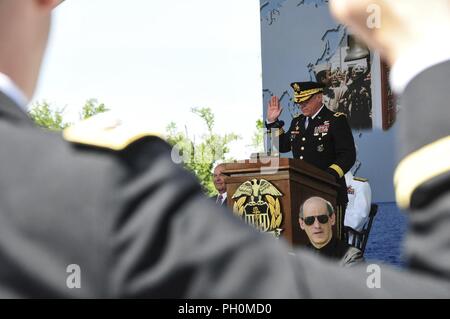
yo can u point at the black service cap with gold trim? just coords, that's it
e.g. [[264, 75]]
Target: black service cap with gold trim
[[304, 90]]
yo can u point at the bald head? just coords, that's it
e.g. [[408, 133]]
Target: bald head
[[317, 204], [24, 29], [317, 218]]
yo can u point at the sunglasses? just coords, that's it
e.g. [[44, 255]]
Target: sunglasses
[[323, 219]]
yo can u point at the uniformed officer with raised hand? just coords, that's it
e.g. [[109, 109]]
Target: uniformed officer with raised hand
[[318, 136]]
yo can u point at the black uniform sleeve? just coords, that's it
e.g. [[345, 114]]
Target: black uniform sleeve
[[424, 171], [422, 178], [172, 241], [344, 147]]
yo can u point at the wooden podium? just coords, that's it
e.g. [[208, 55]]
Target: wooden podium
[[267, 193]]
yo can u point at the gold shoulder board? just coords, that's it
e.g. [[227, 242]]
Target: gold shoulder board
[[106, 131], [337, 114], [360, 179]]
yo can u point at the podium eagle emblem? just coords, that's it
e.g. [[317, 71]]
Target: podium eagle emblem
[[256, 201]]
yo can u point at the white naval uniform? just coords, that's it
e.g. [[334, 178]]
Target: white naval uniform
[[359, 201]]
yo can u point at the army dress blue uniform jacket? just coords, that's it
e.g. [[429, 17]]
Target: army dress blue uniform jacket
[[327, 143]]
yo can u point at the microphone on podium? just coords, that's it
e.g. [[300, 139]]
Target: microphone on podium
[[272, 150]]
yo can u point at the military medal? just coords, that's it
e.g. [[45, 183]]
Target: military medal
[[350, 190], [323, 128]]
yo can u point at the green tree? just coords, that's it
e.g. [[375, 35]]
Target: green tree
[[91, 108], [258, 136], [200, 156], [46, 116]]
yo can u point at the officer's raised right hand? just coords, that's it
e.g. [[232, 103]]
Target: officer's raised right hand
[[273, 109]]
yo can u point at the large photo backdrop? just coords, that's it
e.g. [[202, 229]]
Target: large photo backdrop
[[301, 42]]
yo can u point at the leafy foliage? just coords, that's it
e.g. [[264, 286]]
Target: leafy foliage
[[91, 108], [46, 116], [258, 136], [200, 157]]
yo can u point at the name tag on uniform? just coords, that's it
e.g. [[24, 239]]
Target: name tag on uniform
[[295, 132]]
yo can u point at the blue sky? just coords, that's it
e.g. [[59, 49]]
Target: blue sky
[[157, 59]]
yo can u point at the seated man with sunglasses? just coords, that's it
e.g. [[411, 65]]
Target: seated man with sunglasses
[[316, 218]]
